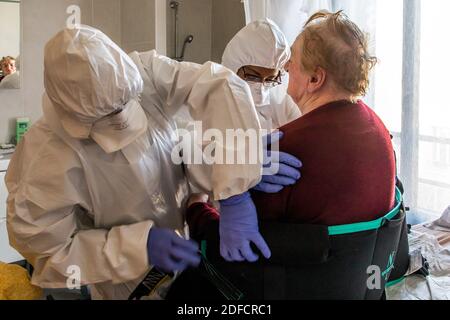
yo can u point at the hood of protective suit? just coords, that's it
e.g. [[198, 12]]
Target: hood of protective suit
[[88, 77], [260, 43]]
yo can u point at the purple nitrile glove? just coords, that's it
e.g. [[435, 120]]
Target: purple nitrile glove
[[239, 228], [288, 167], [168, 252]]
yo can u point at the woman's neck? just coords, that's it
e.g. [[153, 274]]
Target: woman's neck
[[322, 99]]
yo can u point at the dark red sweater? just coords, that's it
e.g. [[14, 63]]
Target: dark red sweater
[[348, 172]]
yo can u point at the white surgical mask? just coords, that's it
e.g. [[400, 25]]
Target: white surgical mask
[[115, 132], [260, 93]]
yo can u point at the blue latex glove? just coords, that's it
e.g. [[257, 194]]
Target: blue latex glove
[[287, 174], [168, 252], [238, 228]]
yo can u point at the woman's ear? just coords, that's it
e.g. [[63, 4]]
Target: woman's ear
[[317, 80]]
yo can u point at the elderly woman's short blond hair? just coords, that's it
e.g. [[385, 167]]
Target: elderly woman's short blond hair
[[333, 42]]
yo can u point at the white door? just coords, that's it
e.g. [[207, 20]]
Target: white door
[[7, 254]]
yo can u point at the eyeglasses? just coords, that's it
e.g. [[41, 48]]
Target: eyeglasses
[[269, 83]]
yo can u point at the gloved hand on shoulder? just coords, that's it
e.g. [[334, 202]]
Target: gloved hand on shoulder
[[287, 166]]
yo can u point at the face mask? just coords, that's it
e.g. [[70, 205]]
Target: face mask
[[260, 93], [115, 132]]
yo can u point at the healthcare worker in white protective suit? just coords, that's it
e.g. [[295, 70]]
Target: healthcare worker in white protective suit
[[258, 53], [94, 195]]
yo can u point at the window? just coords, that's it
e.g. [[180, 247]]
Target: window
[[408, 88], [434, 126], [409, 92]]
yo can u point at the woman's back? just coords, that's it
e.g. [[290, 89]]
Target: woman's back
[[349, 168]]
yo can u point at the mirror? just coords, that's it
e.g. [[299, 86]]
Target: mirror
[[9, 44]]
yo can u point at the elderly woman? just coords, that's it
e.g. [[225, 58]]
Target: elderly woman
[[349, 173], [349, 166]]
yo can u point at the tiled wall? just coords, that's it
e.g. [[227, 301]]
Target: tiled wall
[[194, 17], [212, 23], [228, 17], [106, 17], [138, 25]]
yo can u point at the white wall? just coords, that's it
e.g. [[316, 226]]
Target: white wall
[[9, 29]]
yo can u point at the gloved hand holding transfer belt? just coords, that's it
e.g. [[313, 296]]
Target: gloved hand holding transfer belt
[[238, 225], [238, 228], [169, 252]]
